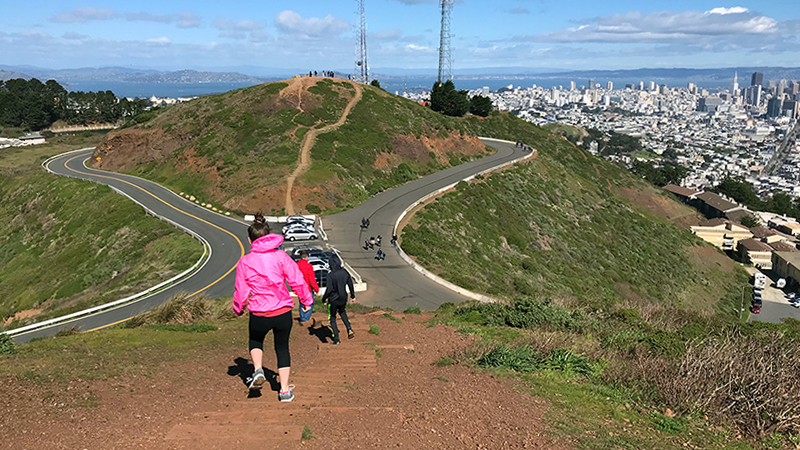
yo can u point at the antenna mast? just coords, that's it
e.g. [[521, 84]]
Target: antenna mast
[[445, 57], [361, 69]]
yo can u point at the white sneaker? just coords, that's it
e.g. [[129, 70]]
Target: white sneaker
[[257, 380]]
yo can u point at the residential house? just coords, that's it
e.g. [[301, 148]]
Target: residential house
[[722, 233], [787, 265], [714, 205], [755, 252]]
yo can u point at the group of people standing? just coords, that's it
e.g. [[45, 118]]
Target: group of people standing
[[260, 286], [523, 146], [323, 73]]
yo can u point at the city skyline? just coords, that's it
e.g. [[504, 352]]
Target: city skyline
[[401, 33]]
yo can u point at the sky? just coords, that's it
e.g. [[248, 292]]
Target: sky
[[321, 34]]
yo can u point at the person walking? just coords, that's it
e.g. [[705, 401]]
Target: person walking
[[311, 279], [363, 222], [378, 240], [367, 223], [394, 239], [381, 255], [336, 296], [260, 286], [372, 242]]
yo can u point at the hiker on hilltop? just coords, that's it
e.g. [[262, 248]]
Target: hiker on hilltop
[[260, 285], [311, 279], [336, 296]]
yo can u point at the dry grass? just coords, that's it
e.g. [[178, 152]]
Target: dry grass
[[182, 311]]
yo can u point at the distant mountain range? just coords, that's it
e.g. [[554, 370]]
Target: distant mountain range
[[125, 75]]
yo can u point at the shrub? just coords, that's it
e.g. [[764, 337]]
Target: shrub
[[526, 312], [374, 329], [182, 311], [445, 361], [193, 328], [521, 359], [313, 209], [412, 310], [307, 434], [7, 346], [750, 382]]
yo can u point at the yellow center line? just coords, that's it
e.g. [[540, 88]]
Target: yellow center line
[[241, 246]]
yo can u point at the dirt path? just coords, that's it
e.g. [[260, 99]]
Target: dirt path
[[376, 391], [308, 142]]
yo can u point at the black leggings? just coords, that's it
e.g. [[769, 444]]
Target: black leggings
[[281, 327]]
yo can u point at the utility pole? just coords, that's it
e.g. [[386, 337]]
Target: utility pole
[[445, 56], [361, 73]]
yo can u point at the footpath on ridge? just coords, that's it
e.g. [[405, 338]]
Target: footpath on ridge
[[304, 162]]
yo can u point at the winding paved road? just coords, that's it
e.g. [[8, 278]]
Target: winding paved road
[[392, 283], [227, 237]]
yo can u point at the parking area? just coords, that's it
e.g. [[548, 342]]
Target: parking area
[[775, 302]]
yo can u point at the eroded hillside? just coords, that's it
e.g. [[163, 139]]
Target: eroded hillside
[[239, 148]]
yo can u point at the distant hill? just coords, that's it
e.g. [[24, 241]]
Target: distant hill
[[238, 149], [8, 75], [128, 75]]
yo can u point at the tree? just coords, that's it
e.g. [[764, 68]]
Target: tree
[[445, 99], [670, 154], [480, 105], [375, 83], [749, 221]]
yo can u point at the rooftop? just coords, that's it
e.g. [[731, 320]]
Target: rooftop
[[680, 190], [755, 245], [716, 201], [783, 247], [761, 232]]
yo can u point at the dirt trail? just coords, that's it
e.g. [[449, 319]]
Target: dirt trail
[[308, 141]]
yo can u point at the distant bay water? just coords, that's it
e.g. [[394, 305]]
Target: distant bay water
[[391, 84]]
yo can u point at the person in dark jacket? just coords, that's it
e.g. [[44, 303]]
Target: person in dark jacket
[[336, 296]]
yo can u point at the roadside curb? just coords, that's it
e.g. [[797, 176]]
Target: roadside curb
[[433, 277]]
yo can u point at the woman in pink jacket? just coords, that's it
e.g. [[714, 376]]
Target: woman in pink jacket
[[260, 284]]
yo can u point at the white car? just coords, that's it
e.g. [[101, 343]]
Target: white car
[[295, 234], [300, 219], [318, 263], [297, 226]]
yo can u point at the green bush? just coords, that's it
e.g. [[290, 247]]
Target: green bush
[[520, 359], [374, 329], [7, 346], [412, 310], [193, 328], [526, 312]]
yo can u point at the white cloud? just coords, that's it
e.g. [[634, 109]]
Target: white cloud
[[159, 40], [290, 22], [420, 48], [182, 20], [666, 26], [734, 10], [71, 35], [84, 15]]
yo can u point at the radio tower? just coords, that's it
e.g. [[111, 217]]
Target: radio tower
[[445, 57], [362, 69]]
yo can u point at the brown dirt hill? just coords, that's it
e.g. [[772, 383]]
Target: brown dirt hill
[[239, 149], [374, 391]]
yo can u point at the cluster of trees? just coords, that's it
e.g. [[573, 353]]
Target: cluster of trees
[[660, 176], [616, 144], [447, 100], [33, 105], [743, 192]]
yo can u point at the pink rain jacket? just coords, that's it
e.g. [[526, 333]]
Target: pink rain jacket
[[260, 277]]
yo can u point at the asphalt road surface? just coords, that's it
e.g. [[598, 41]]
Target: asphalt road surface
[[392, 282], [774, 304], [227, 237]]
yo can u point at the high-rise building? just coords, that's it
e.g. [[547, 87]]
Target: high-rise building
[[774, 107], [790, 108], [571, 85], [485, 90], [591, 84], [794, 87], [753, 95], [708, 104], [757, 79], [641, 85], [651, 86], [610, 85], [735, 86], [664, 89]]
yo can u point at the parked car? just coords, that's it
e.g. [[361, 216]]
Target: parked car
[[296, 234], [294, 226], [300, 219], [322, 277], [318, 263]]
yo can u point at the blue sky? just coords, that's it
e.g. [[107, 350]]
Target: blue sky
[[316, 35]]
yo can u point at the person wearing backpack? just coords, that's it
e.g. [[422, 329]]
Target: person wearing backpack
[[336, 296]]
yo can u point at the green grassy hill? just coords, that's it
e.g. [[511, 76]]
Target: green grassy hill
[[68, 244], [237, 148]]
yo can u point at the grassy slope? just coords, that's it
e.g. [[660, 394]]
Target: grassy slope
[[249, 139], [68, 244], [568, 235]]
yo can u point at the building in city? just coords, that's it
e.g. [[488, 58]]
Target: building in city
[[735, 90], [722, 233], [757, 79], [774, 106]]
